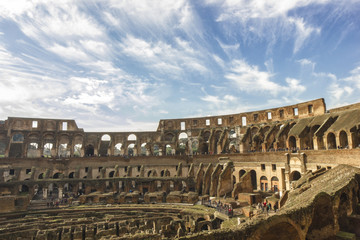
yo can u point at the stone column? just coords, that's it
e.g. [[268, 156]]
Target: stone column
[[315, 143], [60, 194], [350, 140], [45, 193]]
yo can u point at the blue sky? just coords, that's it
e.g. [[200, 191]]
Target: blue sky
[[123, 65]]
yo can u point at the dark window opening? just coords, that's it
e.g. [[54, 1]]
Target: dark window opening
[[262, 166], [231, 119], [125, 169], [310, 108], [139, 168], [28, 171], [281, 113], [273, 167], [256, 116], [86, 169], [100, 169], [12, 172]]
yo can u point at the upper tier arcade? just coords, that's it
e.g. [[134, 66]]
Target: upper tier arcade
[[304, 125]]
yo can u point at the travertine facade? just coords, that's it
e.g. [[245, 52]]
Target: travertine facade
[[183, 160]]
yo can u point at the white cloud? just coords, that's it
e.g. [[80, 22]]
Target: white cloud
[[161, 56], [250, 79], [267, 19]]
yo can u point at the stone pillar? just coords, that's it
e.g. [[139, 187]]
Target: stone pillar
[[325, 142], [241, 147], [45, 193], [350, 140], [315, 143], [337, 139], [60, 194]]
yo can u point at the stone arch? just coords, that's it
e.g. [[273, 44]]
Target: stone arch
[[343, 212], [16, 147], [117, 149], [204, 146], [253, 179], [72, 175], [41, 176], [89, 150], [294, 176], [131, 149], [78, 144], [169, 137], [280, 229], [322, 218], [64, 150], [111, 174], [143, 149], [274, 184], [32, 151], [292, 142], [156, 150], [331, 141], [195, 146], [56, 175], [343, 138], [264, 184], [104, 145], [169, 150]]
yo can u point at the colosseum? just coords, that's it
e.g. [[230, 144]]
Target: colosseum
[[284, 173]]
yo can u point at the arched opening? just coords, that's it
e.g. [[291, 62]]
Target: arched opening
[[281, 231], [72, 175], [253, 179], [263, 184], [183, 136], [32, 151], [77, 150], [195, 146], [89, 150], [131, 137], [104, 145], [344, 207], [41, 176], [169, 150], [331, 141], [111, 174], [274, 184], [241, 173], [16, 147], [162, 173], [24, 189], [181, 148], [131, 149], [294, 176], [322, 219], [156, 150], [343, 140], [63, 150], [169, 137], [292, 143], [117, 149], [204, 147], [143, 149], [56, 175]]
